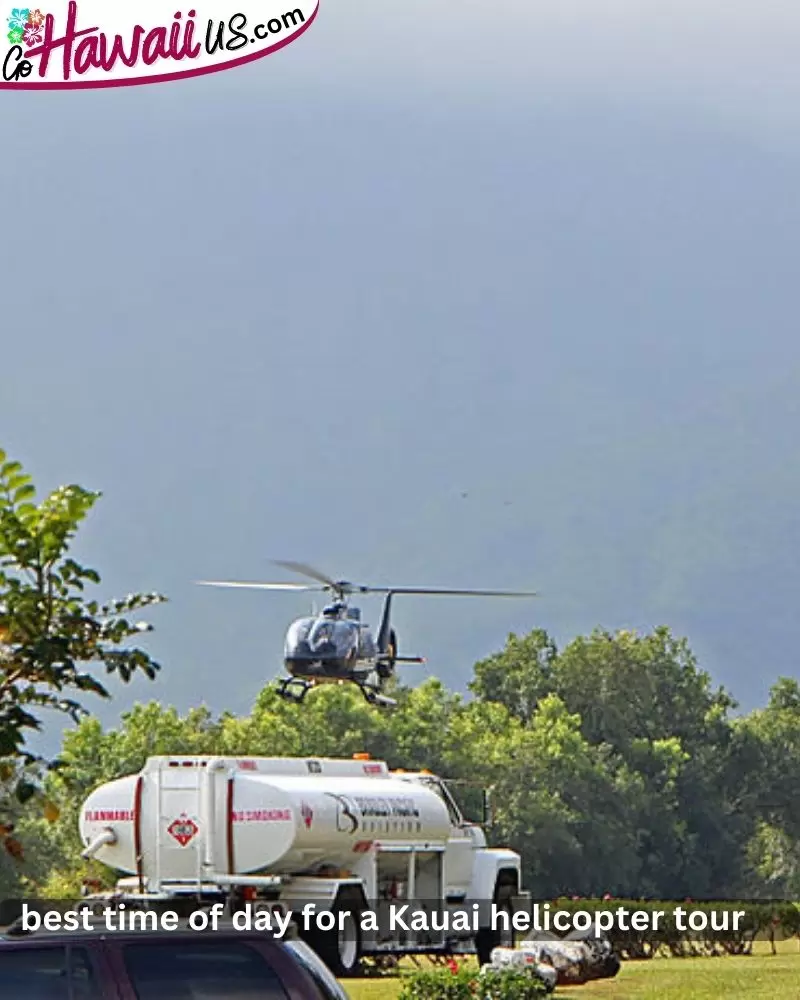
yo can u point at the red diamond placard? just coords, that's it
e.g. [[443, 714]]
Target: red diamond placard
[[182, 829]]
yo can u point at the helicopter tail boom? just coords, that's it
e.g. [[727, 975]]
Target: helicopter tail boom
[[384, 637]]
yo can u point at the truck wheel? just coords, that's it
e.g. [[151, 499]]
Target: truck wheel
[[488, 938], [340, 948]]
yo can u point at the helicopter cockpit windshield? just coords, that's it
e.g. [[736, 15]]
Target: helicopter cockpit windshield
[[297, 634], [325, 637]]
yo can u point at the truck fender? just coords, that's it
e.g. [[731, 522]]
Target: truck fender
[[488, 865]]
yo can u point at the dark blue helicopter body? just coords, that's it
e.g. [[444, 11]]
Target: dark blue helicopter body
[[335, 643]]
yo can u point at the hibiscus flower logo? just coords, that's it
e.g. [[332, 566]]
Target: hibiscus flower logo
[[25, 25], [32, 34], [19, 18]]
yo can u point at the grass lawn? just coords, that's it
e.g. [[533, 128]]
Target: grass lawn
[[761, 976]]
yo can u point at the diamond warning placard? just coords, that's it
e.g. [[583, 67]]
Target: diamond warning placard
[[183, 829]]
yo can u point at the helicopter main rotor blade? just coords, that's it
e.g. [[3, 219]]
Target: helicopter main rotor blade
[[258, 586], [450, 593], [305, 570]]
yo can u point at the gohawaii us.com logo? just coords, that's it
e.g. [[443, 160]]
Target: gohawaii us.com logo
[[97, 44]]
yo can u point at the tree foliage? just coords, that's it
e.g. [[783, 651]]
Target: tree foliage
[[51, 633]]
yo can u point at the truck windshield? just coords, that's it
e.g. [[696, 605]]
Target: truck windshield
[[441, 790]]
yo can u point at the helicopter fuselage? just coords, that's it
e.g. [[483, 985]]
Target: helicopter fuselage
[[329, 649]]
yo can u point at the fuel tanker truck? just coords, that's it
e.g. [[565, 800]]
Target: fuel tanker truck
[[364, 860]]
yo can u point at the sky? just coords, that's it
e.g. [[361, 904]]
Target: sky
[[541, 254]]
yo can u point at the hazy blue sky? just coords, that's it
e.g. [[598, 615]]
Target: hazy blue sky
[[542, 253]]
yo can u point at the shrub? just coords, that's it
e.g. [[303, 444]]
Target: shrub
[[511, 984], [469, 984]]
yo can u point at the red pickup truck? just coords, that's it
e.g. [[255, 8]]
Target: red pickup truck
[[179, 965]]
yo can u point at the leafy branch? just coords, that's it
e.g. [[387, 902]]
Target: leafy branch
[[49, 631]]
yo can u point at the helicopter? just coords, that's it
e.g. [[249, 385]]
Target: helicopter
[[336, 647]]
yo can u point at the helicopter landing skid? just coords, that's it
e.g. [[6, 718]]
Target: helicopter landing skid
[[374, 697], [293, 689]]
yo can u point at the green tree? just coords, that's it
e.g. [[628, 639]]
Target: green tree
[[519, 675], [771, 786], [562, 804], [50, 633], [665, 739], [422, 730], [645, 697], [774, 857], [628, 687], [776, 729]]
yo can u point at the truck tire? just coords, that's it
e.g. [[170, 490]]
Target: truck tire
[[340, 948], [488, 938]]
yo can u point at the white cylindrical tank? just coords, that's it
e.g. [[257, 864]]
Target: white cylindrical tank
[[261, 823]]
